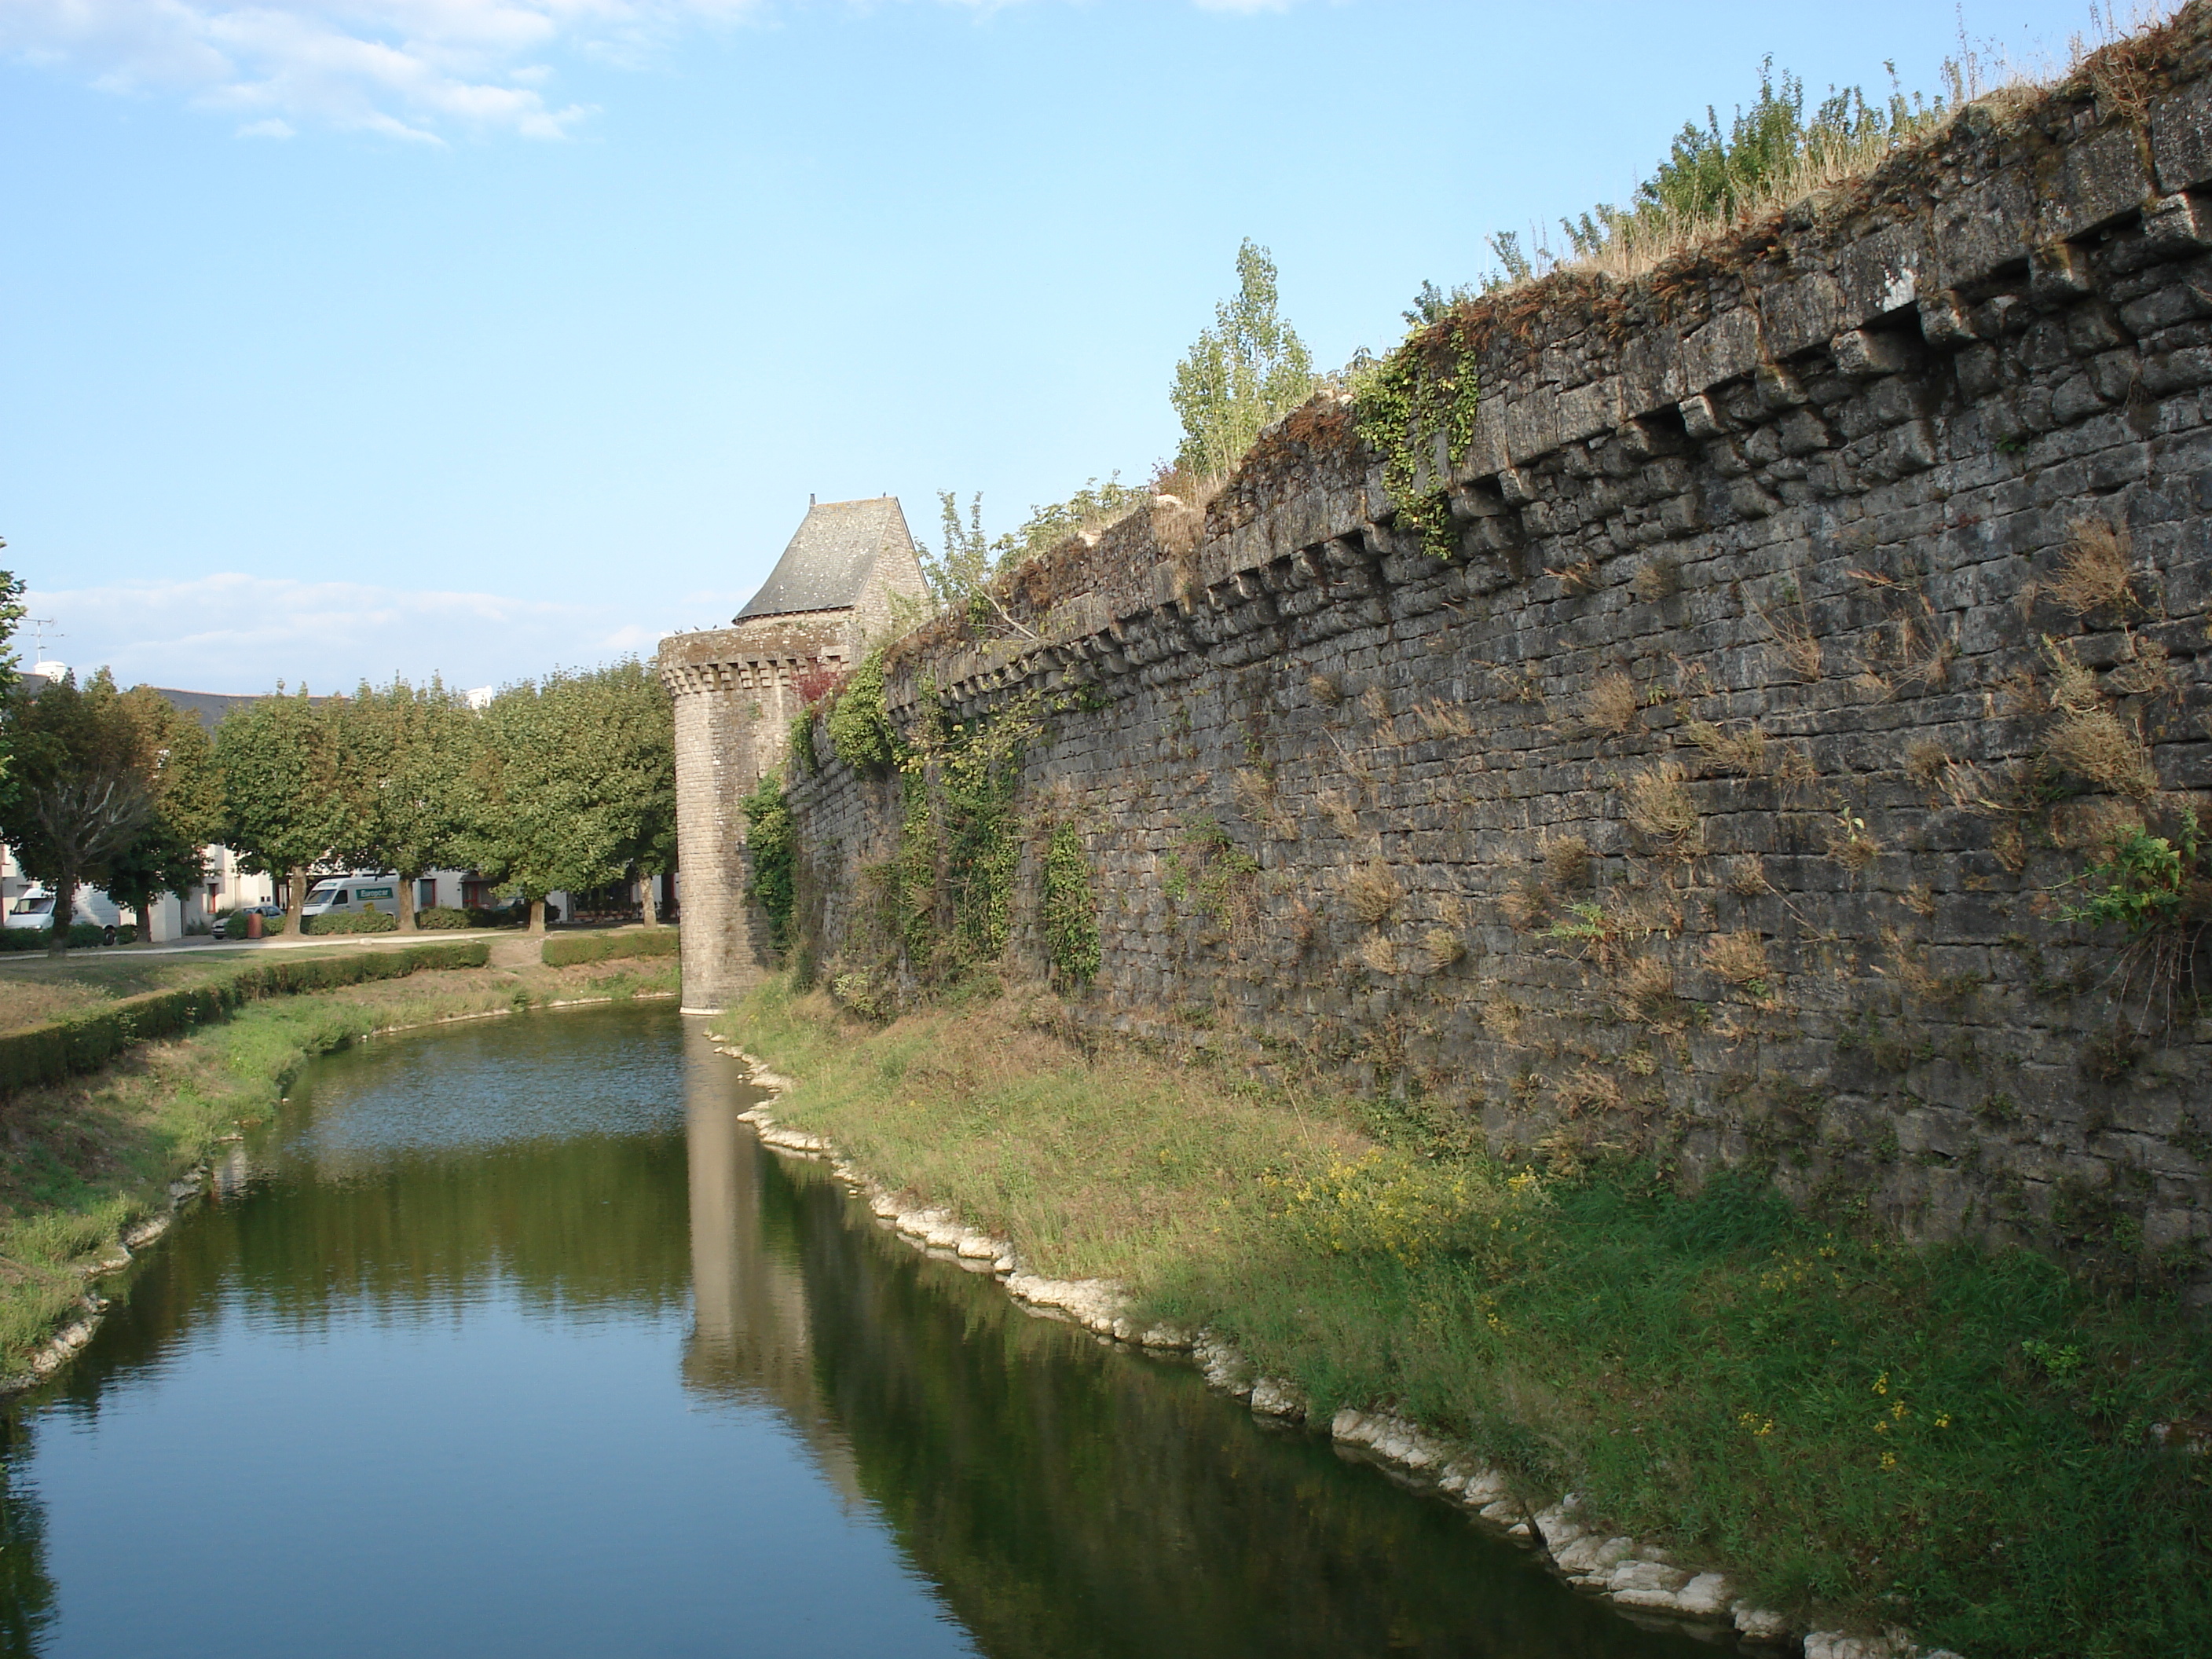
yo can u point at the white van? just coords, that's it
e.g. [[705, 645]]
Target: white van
[[35, 909], [353, 895]]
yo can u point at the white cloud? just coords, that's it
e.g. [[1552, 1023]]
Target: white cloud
[[236, 633], [412, 69]]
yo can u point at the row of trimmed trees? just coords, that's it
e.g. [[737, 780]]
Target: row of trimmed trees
[[568, 783]]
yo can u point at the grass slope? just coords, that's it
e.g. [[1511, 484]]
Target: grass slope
[[1945, 1437]]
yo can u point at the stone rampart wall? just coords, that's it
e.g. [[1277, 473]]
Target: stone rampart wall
[[1710, 795]]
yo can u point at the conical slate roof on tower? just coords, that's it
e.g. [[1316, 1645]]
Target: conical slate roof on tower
[[828, 564]]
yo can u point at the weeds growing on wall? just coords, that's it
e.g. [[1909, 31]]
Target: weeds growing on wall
[[1071, 908], [771, 856], [2157, 890]]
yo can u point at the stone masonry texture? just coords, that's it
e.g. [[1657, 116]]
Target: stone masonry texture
[[1715, 797]]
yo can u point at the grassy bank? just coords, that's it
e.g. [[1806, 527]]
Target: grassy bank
[[84, 1160], [1956, 1440]]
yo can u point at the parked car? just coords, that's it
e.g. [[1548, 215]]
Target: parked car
[[352, 895]]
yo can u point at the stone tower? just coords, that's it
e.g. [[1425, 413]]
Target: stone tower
[[737, 691]]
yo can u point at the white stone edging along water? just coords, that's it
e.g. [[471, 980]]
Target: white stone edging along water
[[1639, 1576]]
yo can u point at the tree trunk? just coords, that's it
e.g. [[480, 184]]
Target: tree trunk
[[296, 902], [406, 904], [537, 915], [64, 908], [646, 879], [145, 910]]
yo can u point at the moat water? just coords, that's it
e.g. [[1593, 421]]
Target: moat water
[[508, 1339]]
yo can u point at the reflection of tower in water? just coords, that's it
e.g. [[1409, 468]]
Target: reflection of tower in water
[[751, 1340]]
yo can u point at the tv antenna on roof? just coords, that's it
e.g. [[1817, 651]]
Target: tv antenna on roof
[[38, 627]]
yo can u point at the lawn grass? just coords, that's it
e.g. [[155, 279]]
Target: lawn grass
[[82, 1161], [1863, 1431]]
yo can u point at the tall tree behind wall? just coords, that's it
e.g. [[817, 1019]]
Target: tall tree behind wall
[[168, 855], [403, 761], [81, 795], [281, 807], [636, 734], [1250, 368]]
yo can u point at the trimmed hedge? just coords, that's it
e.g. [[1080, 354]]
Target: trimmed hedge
[[233, 925], [84, 1043], [81, 934], [351, 921], [569, 948]]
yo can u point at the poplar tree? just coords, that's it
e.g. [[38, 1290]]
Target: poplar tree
[[282, 810], [1247, 370]]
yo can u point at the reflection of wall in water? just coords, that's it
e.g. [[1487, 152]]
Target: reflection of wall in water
[[751, 1336]]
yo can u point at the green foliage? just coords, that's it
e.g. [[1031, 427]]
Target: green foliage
[[439, 918], [235, 925], [177, 760], [1247, 370], [405, 756], [956, 572], [1071, 908], [569, 949], [351, 921], [802, 745], [278, 760], [961, 572], [860, 723], [771, 857], [574, 784], [82, 791], [84, 1043], [2144, 883], [1429, 388], [12, 612], [82, 934]]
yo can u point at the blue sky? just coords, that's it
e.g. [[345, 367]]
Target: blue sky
[[348, 337]]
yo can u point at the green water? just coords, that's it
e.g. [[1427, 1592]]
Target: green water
[[508, 1339]]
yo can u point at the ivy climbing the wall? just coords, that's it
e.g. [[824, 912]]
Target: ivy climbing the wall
[[1426, 387], [771, 853], [859, 724], [1071, 909]]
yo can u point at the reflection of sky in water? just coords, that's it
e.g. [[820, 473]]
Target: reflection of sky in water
[[595, 1077]]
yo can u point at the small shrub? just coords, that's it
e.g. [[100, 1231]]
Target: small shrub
[[1590, 1088], [1851, 843], [236, 924], [2159, 890], [1612, 705], [860, 723], [442, 918], [771, 857], [1661, 810]]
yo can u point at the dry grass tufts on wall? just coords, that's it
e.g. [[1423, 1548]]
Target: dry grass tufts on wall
[[1743, 753], [1371, 892], [1646, 991], [1612, 704], [1746, 876], [1851, 843], [1337, 808], [1524, 905], [1443, 947], [1324, 689], [1377, 955], [1661, 810], [1566, 862], [2095, 571], [1739, 960], [1439, 718], [1656, 579], [1589, 1088], [1790, 636], [1375, 704], [2096, 744], [1577, 580], [1502, 1019]]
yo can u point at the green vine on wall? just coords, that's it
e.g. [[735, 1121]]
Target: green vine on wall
[[859, 721], [803, 758], [771, 856], [1071, 909], [1427, 385]]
